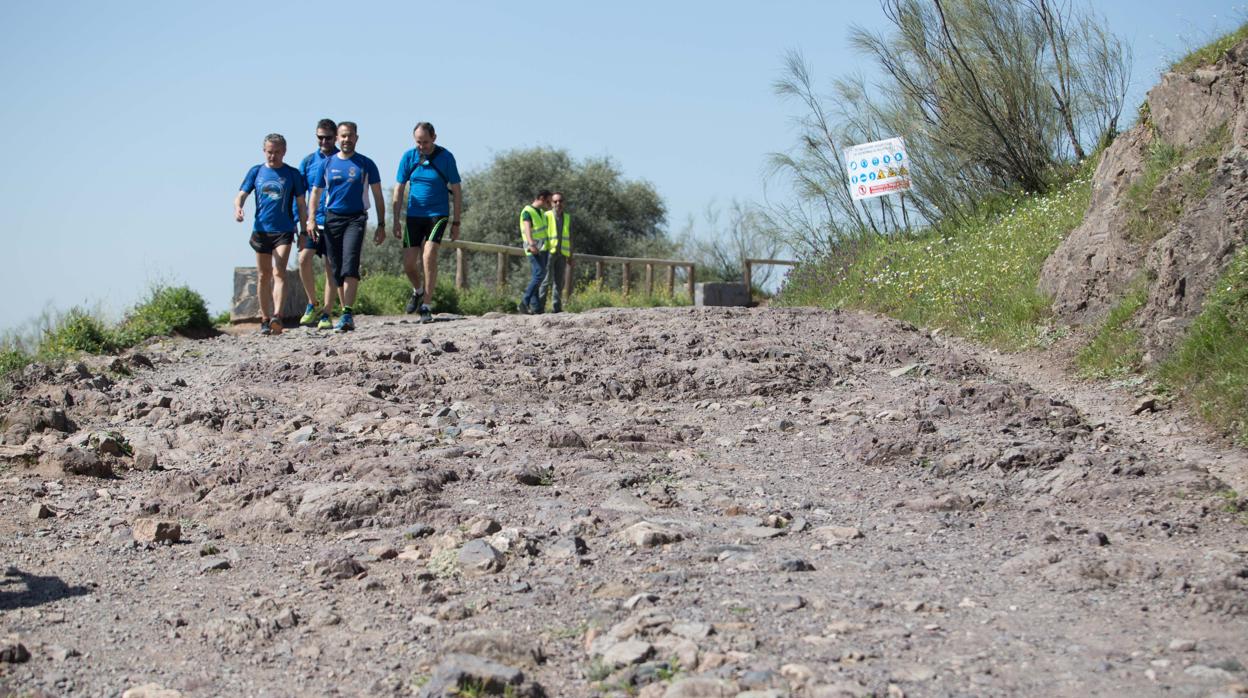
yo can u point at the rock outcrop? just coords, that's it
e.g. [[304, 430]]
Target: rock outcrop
[[1202, 116]]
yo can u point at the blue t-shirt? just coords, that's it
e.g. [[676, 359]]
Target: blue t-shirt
[[310, 168], [346, 183], [427, 195], [275, 196]]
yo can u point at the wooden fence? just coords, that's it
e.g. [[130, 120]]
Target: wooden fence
[[463, 248], [747, 269]]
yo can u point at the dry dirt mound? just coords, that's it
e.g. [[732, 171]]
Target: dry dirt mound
[[680, 502]]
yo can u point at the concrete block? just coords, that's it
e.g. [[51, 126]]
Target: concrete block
[[721, 294], [246, 307]]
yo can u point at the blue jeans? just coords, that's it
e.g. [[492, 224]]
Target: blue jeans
[[537, 266]]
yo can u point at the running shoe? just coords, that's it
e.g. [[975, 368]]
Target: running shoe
[[426, 314], [346, 323], [309, 316], [265, 328], [413, 301], [324, 323], [275, 327]]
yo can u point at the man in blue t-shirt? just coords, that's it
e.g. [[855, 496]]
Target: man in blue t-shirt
[[312, 242], [346, 180], [429, 174], [278, 186]]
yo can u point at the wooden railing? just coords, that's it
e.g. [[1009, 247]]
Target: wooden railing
[[747, 269], [463, 247]]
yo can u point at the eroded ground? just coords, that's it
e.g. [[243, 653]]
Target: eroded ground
[[679, 502]]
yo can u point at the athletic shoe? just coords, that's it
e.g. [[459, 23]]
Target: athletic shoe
[[324, 323], [346, 323], [413, 301], [309, 316], [275, 327], [426, 314], [265, 328]]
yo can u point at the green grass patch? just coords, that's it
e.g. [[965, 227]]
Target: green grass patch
[[56, 337], [977, 280], [596, 295], [1116, 349], [78, 331], [12, 360], [1210, 367], [1211, 52], [1154, 208], [166, 310], [387, 294]]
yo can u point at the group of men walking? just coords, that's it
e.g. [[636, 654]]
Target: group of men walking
[[546, 230], [325, 203]]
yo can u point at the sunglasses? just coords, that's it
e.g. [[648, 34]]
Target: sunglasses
[[324, 138]]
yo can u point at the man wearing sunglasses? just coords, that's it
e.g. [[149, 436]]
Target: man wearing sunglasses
[[312, 241]]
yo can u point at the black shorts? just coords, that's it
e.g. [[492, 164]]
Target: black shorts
[[306, 243], [344, 238], [265, 243], [421, 228]]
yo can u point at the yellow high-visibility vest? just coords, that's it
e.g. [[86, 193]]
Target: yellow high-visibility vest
[[560, 238], [539, 221]]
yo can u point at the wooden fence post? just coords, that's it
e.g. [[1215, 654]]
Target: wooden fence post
[[689, 282], [502, 271], [747, 272], [598, 269], [628, 270], [461, 269], [671, 279]]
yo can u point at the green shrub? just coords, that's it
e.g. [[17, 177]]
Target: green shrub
[[1210, 367], [387, 294], [168, 309], [480, 300], [596, 295], [222, 318], [12, 360], [445, 298], [382, 294], [77, 331]]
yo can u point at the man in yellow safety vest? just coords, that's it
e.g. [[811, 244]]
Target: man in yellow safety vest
[[559, 244], [533, 230]]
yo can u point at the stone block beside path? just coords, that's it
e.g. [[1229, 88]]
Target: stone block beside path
[[246, 308]]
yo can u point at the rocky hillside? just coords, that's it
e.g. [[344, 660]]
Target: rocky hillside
[[666, 502], [1169, 206]]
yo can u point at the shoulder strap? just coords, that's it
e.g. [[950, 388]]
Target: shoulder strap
[[437, 150]]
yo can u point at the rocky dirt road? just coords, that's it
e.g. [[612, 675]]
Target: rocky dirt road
[[669, 502]]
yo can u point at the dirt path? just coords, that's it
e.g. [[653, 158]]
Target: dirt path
[[1122, 407], [667, 502]]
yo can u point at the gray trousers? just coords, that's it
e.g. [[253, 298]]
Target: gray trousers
[[554, 278]]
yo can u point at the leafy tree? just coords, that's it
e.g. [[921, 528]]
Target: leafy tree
[[610, 215], [990, 95]]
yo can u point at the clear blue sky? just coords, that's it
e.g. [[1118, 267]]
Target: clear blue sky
[[131, 124]]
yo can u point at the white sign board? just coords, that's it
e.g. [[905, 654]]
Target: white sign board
[[876, 169]]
